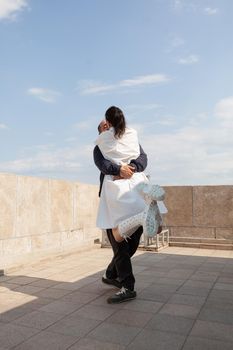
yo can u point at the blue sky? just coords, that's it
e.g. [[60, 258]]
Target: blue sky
[[166, 63]]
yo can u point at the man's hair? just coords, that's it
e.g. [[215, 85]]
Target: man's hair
[[99, 128]]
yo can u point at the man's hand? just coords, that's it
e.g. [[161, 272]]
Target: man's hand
[[126, 171]]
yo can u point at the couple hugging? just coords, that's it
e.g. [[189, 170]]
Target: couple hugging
[[126, 204], [128, 201]]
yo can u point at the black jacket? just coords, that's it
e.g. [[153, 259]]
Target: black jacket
[[106, 167]]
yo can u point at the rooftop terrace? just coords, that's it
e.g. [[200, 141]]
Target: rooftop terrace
[[185, 301]]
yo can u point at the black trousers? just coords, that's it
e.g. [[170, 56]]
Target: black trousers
[[120, 267]]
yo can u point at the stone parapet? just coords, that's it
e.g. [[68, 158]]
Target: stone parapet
[[40, 218], [43, 217], [200, 211]]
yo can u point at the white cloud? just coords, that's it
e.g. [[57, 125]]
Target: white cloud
[[45, 95], [83, 125], [90, 87], [211, 11], [46, 160], [193, 6], [166, 121], [177, 42], [144, 80], [198, 154], [185, 5], [3, 126], [187, 158], [140, 109], [224, 111], [48, 133], [178, 4], [70, 139], [10, 8], [191, 59]]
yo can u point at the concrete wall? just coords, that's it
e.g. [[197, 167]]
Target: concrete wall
[[200, 211], [42, 217]]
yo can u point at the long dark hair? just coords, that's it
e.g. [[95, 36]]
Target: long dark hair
[[115, 117]]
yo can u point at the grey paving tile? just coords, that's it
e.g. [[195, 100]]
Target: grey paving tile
[[38, 319], [162, 288], [188, 311], [39, 302], [183, 282], [76, 285], [170, 323], [5, 278], [219, 304], [79, 297], [114, 333], [151, 340], [211, 267], [148, 294], [213, 330], [60, 307], [52, 293], [143, 305], [97, 287], [5, 286], [171, 281], [22, 280], [94, 312], [47, 340], [180, 273], [194, 343], [43, 283], [137, 269], [12, 335], [205, 276], [15, 313], [151, 274], [139, 285], [202, 292], [93, 344], [222, 279], [223, 286], [227, 271], [216, 315], [199, 284], [184, 299], [29, 289], [131, 318], [102, 301], [225, 295], [217, 260], [74, 326]]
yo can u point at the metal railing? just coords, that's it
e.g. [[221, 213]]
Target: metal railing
[[156, 243]]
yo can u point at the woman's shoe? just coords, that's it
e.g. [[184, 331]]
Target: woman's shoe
[[157, 223], [153, 221], [151, 192]]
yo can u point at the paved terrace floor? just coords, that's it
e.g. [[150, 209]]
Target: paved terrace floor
[[185, 301]]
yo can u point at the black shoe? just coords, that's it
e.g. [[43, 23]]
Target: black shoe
[[112, 282], [123, 295]]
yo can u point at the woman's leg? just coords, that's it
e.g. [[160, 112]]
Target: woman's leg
[[150, 219]]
